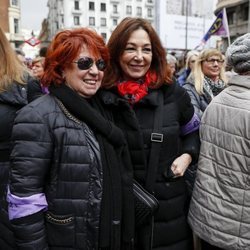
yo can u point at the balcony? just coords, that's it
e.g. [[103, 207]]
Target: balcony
[[76, 11], [149, 3], [114, 14], [227, 3]]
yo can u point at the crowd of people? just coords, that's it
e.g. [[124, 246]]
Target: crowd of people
[[86, 119]]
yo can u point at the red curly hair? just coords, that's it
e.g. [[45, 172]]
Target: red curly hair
[[65, 47]]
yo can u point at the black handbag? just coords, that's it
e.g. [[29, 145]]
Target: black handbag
[[145, 204]]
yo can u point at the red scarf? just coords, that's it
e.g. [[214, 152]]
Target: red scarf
[[134, 91]]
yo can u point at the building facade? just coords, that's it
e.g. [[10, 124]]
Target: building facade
[[237, 16], [101, 15], [10, 19], [181, 24]]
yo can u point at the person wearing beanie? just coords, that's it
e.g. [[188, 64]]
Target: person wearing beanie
[[220, 205]]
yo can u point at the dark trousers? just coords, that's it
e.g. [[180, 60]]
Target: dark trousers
[[206, 246]]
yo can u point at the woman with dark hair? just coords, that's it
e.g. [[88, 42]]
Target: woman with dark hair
[[158, 120], [71, 179]]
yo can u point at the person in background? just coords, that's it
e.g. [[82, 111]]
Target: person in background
[[37, 72], [139, 87], [219, 209], [38, 67], [190, 61], [207, 80], [13, 96], [172, 63], [71, 179]]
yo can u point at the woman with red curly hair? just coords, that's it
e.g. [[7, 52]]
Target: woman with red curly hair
[[71, 184]]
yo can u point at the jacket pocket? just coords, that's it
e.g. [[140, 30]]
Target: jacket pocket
[[60, 230]]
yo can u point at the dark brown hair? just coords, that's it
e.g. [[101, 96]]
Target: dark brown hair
[[65, 47], [117, 44]]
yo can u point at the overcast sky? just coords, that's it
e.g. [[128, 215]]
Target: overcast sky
[[32, 13]]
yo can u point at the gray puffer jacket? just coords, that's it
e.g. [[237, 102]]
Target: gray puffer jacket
[[220, 206]]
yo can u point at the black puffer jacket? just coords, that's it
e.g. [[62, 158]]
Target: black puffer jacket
[[171, 230], [58, 157], [10, 102], [69, 155]]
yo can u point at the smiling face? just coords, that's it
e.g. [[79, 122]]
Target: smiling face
[[84, 82], [136, 59], [211, 67]]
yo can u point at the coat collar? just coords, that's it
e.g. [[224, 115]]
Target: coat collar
[[240, 80], [111, 97]]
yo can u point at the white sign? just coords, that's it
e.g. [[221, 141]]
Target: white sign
[[179, 32]]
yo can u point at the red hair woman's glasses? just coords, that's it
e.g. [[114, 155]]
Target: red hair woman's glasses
[[85, 63]]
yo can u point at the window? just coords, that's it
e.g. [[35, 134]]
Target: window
[[128, 9], [16, 25], [104, 35], [77, 7], [103, 6], [91, 21], [91, 6], [244, 13], [76, 20], [103, 22], [138, 11], [14, 2], [230, 17], [150, 12], [115, 22], [115, 8]]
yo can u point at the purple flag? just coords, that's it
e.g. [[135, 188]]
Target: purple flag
[[219, 27]]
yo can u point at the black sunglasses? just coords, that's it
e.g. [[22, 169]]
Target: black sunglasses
[[85, 63]]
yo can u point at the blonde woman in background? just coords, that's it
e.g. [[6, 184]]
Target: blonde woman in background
[[190, 61], [207, 80]]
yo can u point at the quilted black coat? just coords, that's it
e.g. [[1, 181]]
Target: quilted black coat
[[55, 156], [170, 229]]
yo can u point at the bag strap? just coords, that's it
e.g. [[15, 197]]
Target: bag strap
[[156, 140]]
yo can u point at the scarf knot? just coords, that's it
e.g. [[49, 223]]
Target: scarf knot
[[134, 91], [211, 88]]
